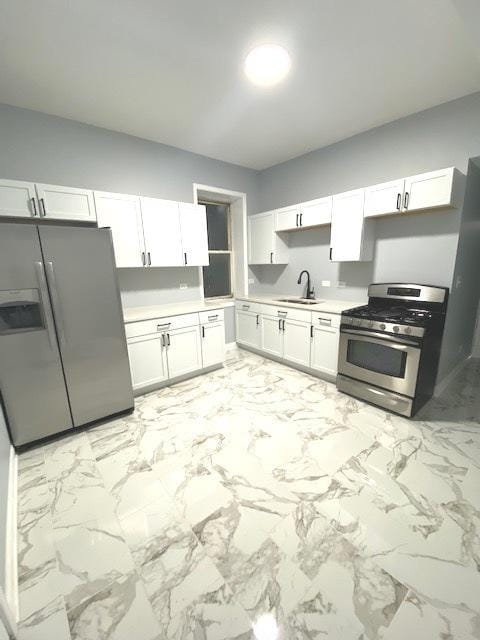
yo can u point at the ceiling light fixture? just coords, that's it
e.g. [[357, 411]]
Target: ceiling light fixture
[[267, 64]]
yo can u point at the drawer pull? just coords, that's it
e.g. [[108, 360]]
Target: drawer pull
[[213, 317], [245, 306], [282, 313], [163, 326], [327, 321]]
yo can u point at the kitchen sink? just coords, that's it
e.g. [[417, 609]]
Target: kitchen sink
[[300, 301]]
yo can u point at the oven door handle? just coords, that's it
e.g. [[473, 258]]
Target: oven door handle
[[382, 336]]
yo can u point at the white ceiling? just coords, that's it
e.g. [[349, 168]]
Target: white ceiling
[[171, 71]]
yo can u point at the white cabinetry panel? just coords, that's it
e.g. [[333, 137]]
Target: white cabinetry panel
[[18, 199], [161, 229], [213, 344], [272, 335], [248, 329], [351, 237], [296, 342], [265, 246], [65, 203], [122, 214], [287, 219], [315, 213], [148, 364], [430, 190], [193, 225], [384, 199], [183, 351]]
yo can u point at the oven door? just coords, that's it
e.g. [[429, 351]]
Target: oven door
[[390, 362]]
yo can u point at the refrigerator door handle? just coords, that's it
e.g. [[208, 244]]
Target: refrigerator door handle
[[42, 286], [52, 284]]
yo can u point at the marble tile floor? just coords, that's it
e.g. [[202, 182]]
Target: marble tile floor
[[256, 502]]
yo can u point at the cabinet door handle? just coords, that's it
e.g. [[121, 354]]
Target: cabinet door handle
[[143, 258], [399, 201], [42, 208], [311, 331], [168, 339], [185, 257], [34, 206], [203, 331], [283, 325], [406, 199], [271, 257], [296, 221], [163, 339], [258, 319], [149, 259], [279, 324], [330, 253], [301, 215]]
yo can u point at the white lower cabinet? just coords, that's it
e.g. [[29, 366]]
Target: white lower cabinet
[[272, 335], [165, 348], [213, 344], [296, 342], [248, 328], [184, 353], [308, 339], [148, 363]]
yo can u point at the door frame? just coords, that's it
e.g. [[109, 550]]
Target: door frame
[[238, 210]]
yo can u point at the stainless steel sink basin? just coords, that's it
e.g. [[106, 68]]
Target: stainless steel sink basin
[[300, 301]]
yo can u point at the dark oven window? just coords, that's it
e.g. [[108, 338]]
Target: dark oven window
[[377, 357]]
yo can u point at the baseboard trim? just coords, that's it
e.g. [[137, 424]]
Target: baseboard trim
[[450, 377], [231, 346]]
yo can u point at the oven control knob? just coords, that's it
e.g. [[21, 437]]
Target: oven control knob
[[408, 330], [382, 327], [396, 329]]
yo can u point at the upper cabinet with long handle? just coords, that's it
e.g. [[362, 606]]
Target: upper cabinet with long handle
[[45, 201], [150, 232], [351, 235], [432, 190], [314, 213], [193, 226], [123, 215], [265, 246], [161, 229]]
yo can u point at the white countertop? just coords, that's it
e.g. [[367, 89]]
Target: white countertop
[[323, 304], [135, 314]]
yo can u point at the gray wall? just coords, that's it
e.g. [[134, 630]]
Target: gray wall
[[44, 148], [418, 247], [462, 312], [4, 476]]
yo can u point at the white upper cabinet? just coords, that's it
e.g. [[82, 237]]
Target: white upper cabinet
[[432, 190], [265, 246], [18, 199], [161, 228], [316, 212], [193, 225], [65, 203], [287, 219], [122, 214], [384, 199], [351, 235]]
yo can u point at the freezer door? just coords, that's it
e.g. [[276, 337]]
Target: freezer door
[[32, 385], [81, 276]]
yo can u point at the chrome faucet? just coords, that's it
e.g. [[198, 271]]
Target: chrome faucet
[[310, 291]]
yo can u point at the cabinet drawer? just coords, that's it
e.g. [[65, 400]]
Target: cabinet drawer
[[320, 319], [208, 317], [287, 312], [144, 327], [245, 305]]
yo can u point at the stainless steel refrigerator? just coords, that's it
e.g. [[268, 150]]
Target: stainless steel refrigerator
[[63, 353]]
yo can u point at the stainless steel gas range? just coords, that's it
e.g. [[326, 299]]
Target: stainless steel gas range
[[389, 349]]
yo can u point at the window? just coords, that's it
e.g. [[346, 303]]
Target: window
[[217, 276]]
